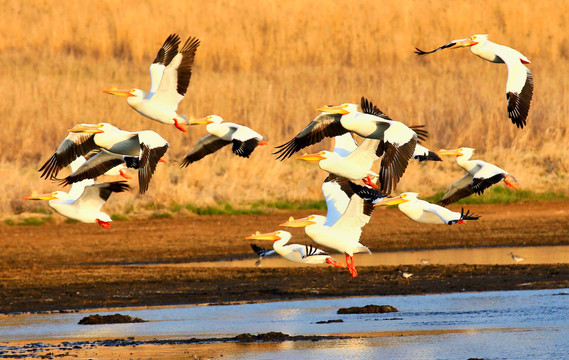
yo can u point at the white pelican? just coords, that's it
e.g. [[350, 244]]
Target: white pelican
[[397, 143], [424, 212], [480, 175], [243, 139], [145, 148], [406, 275], [519, 87], [344, 235], [515, 257], [87, 206], [304, 254], [170, 75], [119, 170]]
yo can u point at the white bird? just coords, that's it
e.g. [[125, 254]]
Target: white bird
[[397, 143], [424, 261], [87, 206], [406, 275], [480, 175], [422, 211], [304, 254], [519, 86], [344, 235], [170, 74], [140, 149], [423, 154], [516, 258], [243, 139]]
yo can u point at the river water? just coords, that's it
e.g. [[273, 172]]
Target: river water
[[491, 325]]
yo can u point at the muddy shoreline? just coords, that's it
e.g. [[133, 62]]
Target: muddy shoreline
[[81, 266]]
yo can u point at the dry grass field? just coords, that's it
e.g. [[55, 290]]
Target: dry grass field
[[268, 65]]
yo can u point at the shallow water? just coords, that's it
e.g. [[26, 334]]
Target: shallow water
[[490, 325]]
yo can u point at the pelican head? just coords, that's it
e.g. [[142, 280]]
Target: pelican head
[[401, 199], [344, 109], [210, 119], [463, 151], [471, 41], [273, 236]]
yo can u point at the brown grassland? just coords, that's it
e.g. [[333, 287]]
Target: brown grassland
[[268, 65]]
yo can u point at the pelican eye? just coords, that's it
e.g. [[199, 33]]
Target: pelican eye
[[403, 196], [474, 38]]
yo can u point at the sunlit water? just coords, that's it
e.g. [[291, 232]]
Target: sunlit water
[[490, 325]]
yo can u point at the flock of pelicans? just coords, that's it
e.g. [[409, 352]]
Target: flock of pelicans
[[92, 150]]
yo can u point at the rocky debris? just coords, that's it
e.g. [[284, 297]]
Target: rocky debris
[[330, 321], [368, 309], [109, 319]]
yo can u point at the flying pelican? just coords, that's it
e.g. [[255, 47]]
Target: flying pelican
[[170, 74], [85, 207], [423, 154], [519, 87], [144, 148], [424, 212], [344, 235], [119, 170], [397, 143], [304, 254], [243, 139], [480, 175]]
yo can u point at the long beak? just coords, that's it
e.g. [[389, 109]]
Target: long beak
[[450, 152], [86, 128], [463, 43], [267, 236], [35, 196], [297, 223], [115, 91], [311, 157], [334, 109], [201, 121], [391, 201]]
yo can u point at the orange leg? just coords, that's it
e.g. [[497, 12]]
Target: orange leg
[[510, 184], [367, 181], [335, 263], [124, 174], [263, 142], [350, 265], [104, 224], [179, 126]]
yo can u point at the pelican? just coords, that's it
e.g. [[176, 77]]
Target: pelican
[[304, 254], [480, 175], [144, 148], [170, 74], [85, 207], [355, 166], [422, 211], [119, 170], [243, 139], [344, 235], [519, 86], [397, 141]]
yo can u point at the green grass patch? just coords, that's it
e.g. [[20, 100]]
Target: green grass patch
[[504, 195], [34, 221], [161, 215], [70, 221], [221, 209], [41, 210], [119, 217], [9, 222], [292, 205]]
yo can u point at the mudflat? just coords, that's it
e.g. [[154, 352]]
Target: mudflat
[[78, 266]]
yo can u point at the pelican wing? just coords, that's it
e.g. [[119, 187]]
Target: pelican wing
[[357, 214], [324, 125], [366, 153], [394, 163], [452, 43], [149, 157], [176, 77], [245, 140], [205, 146], [344, 144], [262, 252], [73, 146], [95, 166], [310, 250], [95, 196], [163, 58], [369, 108], [337, 193], [421, 153], [519, 86], [458, 190]]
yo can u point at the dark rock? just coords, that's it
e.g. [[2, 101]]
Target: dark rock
[[109, 319], [368, 309], [330, 321], [270, 336]]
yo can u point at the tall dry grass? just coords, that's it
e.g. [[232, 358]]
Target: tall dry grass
[[268, 65]]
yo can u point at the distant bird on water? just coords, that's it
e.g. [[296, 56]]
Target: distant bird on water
[[516, 258], [519, 86], [170, 74]]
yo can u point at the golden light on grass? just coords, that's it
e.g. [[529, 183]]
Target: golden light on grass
[[268, 65]]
